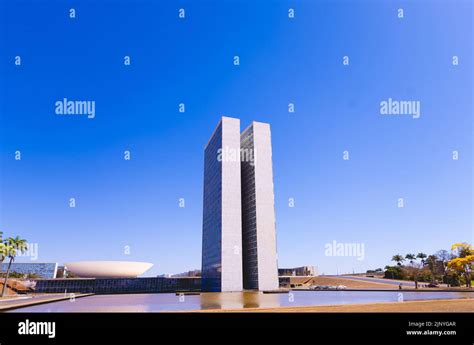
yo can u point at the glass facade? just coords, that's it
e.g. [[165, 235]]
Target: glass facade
[[259, 256], [43, 270], [239, 239], [249, 213], [212, 215], [117, 285]]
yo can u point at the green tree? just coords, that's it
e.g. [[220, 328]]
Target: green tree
[[398, 259], [422, 257], [411, 258], [394, 272], [463, 264], [13, 246], [3, 251]]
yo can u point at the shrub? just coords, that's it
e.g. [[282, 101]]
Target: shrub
[[394, 272], [425, 275], [452, 278]]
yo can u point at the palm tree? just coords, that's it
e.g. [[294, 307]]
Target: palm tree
[[398, 259], [7, 251], [422, 257], [3, 251], [3, 254], [411, 257], [13, 246]]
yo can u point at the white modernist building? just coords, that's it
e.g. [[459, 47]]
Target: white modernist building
[[239, 240], [222, 215], [107, 269], [258, 209]]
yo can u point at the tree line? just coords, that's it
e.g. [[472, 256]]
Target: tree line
[[450, 267]]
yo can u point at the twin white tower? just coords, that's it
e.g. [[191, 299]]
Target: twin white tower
[[239, 239]]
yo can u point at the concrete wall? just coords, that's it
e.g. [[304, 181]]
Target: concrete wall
[[265, 208], [222, 217], [231, 208]]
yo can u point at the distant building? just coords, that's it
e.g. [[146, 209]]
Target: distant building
[[194, 273], [62, 272], [47, 270], [298, 271], [164, 275], [107, 269]]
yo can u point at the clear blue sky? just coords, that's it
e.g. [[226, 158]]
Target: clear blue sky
[[283, 60]]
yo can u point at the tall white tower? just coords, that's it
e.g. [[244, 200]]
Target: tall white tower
[[260, 268], [222, 216]]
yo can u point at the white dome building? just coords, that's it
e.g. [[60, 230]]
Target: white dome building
[[107, 269]]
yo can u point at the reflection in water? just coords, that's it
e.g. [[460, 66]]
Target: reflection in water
[[230, 300], [250, 300], [238, 300]]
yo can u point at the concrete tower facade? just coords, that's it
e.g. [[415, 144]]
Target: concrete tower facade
[[260, 267], [222, 216], [239, 238]]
